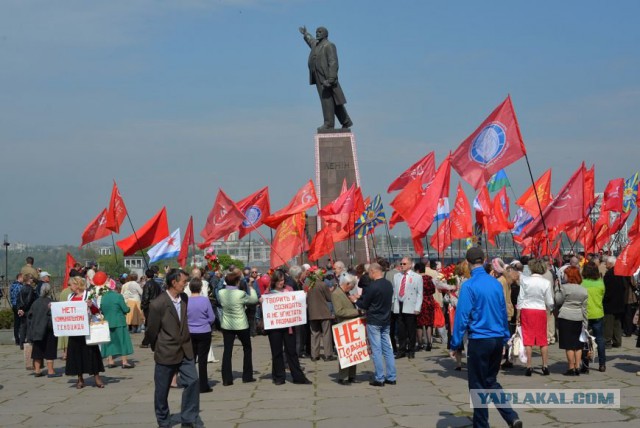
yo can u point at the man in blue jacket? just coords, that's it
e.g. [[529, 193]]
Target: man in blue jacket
[[482, 313]]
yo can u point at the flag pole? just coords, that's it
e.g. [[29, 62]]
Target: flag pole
[[373, 242], [437, 237], [249, 251], [146, 263], [390, 244], [515, 247], [535, 192], [115, 254]]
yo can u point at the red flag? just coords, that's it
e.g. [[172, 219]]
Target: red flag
[[302, 201], [634, 230], [442, 238], [117, 210], [566, 207], [613, 195], [425, 169], [422, 215], [405, 201], [289, 240], [483, 207], [528, 200], [628, 260], [70, 263], [418, 246], [495, 144], [153, 231], [224, 219], [95, 230], [498, 220], [322, 244], [461, 223], [589, 189], [186, 242], [343, 204], [255, 208]]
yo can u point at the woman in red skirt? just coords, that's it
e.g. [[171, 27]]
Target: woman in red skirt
[[534, 300]]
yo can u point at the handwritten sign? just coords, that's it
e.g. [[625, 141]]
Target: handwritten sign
[[70, 318], [350, 338], [281, 310]]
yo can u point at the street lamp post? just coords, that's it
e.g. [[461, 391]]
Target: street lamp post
[[6, 259]]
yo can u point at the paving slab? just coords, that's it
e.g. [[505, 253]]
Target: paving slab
[[429, 393]]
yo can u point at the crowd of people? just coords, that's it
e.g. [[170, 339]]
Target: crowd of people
[[408, 306]]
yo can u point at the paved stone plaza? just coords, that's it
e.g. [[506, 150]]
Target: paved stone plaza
[[429, 394]]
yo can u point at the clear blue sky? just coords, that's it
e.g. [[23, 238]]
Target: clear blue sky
[[174, 99]]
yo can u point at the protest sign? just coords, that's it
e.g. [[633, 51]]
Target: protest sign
[[350, 338], [70, 318], [284, 309]]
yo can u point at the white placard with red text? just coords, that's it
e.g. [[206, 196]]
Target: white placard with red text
[[70, 318], [350, 338], [287, 309]]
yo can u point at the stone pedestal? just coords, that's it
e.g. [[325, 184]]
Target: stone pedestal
[[336, 161]]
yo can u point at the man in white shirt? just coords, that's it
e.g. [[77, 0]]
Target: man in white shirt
[[407, 301], [197, 273]]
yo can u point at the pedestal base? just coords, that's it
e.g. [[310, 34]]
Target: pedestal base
[[336, 161]]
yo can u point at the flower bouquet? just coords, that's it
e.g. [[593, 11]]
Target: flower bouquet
[[213, 264], [316, 274]]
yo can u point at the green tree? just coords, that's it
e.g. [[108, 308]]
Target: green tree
[[226, 261], [109, 265]]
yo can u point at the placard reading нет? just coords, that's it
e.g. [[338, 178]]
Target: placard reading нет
[[70, 318]]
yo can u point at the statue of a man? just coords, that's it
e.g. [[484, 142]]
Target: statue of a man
[[323, 72]]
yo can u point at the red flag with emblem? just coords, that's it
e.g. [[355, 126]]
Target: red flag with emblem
[[613, 195], [224, 219], [96, 230], [70, 263], [153, 231], [566, 207], [528, 200], [302, 201], [495, 144], [255, 208], [117, 210], [425, 169], [289, 240], [186, 242]]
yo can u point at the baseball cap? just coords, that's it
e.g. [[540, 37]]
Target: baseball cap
[[475, 255], [43, 274]]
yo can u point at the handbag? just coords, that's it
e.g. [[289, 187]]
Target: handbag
[[438, 317], [98, 333]]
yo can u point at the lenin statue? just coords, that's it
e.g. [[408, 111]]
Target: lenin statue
[[323, 72]]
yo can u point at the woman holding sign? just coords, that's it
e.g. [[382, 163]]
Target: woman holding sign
[[82, 358], [345, 310], [283, 341]]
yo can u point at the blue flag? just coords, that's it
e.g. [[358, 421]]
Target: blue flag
[[630, 193], [372, 216]]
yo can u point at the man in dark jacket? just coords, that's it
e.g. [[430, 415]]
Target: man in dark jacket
[[168, 334], [323, 72], [150, 291], [25, 299], [613, 304], [377, 304]]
